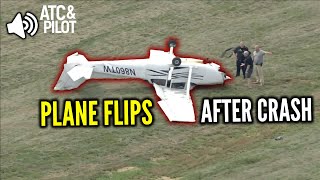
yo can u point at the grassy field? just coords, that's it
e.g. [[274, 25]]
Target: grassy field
[[290, 29]]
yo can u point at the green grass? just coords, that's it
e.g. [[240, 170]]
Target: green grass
[[290, 29]]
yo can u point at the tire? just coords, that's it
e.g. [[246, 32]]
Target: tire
[[172, 43], [176, 61]]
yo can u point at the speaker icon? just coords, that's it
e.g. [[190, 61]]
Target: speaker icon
[[20, 25]]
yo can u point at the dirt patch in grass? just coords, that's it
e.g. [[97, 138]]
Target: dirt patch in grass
[[128, 168], [168, 178]]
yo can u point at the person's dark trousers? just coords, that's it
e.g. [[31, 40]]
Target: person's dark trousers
[[244, 68], [238, 67]]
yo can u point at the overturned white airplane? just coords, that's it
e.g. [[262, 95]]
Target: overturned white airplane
[[171, 76]]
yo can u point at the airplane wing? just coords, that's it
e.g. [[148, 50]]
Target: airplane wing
[[176, 103]]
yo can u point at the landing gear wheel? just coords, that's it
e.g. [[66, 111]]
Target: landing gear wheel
[[176, 61], [172, 43]]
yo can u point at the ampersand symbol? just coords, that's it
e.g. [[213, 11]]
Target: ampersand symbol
[[70, 13]]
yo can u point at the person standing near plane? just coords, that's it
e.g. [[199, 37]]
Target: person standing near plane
[[238, 53], [258, 59], [248, 64]]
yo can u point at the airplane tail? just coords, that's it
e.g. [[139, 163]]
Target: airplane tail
[[76, 71]]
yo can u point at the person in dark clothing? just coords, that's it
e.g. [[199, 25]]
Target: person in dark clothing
[[238, 53], [248, 64]]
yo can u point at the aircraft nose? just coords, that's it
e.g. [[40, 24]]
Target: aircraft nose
[[225, 77]]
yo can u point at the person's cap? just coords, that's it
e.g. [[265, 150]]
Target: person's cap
[[246, 53]]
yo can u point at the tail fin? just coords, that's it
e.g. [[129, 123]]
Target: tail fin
[[75, 72]]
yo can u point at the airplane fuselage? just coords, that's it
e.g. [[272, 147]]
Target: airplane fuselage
[[158, 69], [202, 74]]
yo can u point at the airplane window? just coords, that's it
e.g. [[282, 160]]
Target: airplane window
[[178, 85], [161, 82]]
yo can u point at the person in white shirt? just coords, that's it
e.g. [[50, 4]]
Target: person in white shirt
[[258, 59]]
